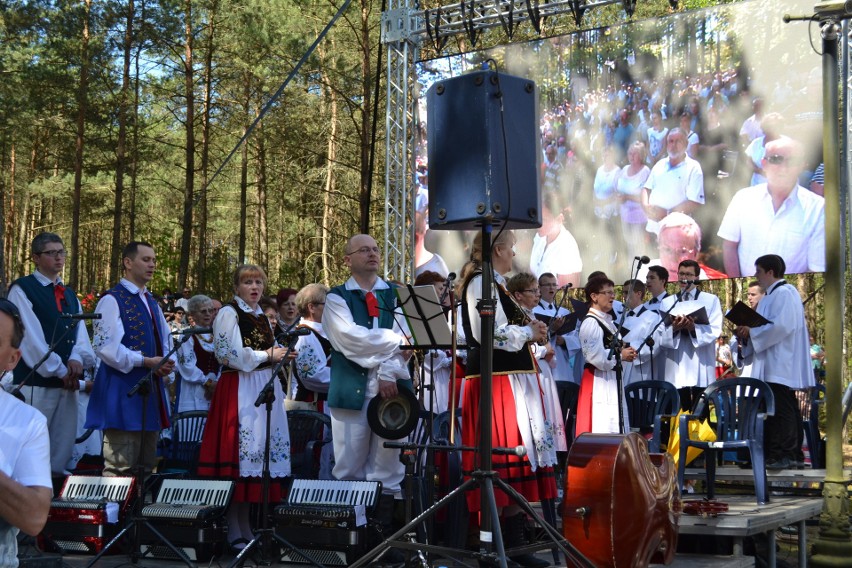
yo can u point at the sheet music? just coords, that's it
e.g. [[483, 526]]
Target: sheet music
[[424, 312]]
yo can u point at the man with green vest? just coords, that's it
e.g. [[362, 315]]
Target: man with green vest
[[365, 332], [47, 308]]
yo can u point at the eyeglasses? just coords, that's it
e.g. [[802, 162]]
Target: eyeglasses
[[681, 251], [685, 275], [364, 250], [779, 160], [318, 303], [54, 253], [607, 292], [533, 291]]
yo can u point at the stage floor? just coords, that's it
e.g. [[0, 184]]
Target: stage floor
[[743, 519]]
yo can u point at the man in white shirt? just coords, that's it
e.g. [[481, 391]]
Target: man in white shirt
[[554, 248], [675, 184], [47, 308], [131, 338], [655, 281], [689, 348], [566, 347], [366, 361], [778, 217], [781, 352], [25, 486], [639, 323]]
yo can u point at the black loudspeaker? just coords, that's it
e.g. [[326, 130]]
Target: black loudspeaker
[[484, 152]]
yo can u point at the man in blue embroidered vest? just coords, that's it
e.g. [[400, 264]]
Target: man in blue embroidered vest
[[25, 489], [131, 339], [365, 362], [45, 304]]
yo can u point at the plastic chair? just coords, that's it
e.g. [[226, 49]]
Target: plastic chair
[[739, 406], [646, 402], [309, 432], [809, 402], [181, 456]]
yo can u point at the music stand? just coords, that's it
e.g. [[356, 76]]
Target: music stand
[[491, 550], [137, 521]]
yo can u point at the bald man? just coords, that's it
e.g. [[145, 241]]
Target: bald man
[[778, 217]]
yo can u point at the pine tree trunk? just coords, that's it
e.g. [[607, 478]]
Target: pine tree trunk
[[82, 106], [189, 179]]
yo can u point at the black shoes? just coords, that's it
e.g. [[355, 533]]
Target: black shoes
[[777, 464]]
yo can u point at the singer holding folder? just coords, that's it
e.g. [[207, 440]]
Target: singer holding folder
[[47, 308], [235, 434], [688, 345]]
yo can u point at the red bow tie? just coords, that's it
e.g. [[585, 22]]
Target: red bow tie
[[59, 294], [372, 305]]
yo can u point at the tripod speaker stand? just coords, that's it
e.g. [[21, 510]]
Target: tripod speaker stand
[[492, 550]]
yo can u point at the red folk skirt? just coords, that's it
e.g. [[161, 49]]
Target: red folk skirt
[[514, 470], [219, 456]]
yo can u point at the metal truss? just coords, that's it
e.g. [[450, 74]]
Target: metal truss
[[404, 29]]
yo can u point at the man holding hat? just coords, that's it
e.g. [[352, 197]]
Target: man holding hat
[[366, 362]]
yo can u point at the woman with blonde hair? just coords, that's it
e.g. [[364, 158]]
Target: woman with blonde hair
[[518, 416], [234, 438]]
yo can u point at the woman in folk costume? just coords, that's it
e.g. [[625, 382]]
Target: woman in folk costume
[[524, 289], [518, 416], [233, 443], [597, 407]]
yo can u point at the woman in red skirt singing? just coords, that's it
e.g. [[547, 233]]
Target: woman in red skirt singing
[[597, 406], [518, 417], [234, 438]]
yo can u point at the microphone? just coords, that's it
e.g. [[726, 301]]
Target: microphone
[[93, 316], [642, 259], [690, 282], [519, 451], [566, 287], [193, 330], [449, 282], [287, 335]]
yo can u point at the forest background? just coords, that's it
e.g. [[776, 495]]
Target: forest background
[[115, 116]]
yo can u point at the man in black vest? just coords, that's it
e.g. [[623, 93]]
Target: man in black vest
[[46, 306]]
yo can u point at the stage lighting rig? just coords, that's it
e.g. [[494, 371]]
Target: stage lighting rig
[[833, 9]]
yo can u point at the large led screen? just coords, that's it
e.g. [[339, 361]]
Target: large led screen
[[696, 135]]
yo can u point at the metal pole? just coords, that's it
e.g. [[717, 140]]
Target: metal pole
[[833, 545]]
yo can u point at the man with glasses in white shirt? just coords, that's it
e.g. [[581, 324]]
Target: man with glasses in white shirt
[[689, 347], [779, 217], [47, 308]]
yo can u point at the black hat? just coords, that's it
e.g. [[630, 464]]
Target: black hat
[[394, 418]]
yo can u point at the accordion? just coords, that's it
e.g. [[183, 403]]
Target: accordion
[[190, 514], [328, 520], [89, 512]]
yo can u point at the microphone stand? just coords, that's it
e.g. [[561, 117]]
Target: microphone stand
[[265, 536], [615, 350], [51, 348], [649, 341], [137, 521]]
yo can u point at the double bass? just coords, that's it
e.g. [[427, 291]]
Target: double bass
[[621, 504]]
